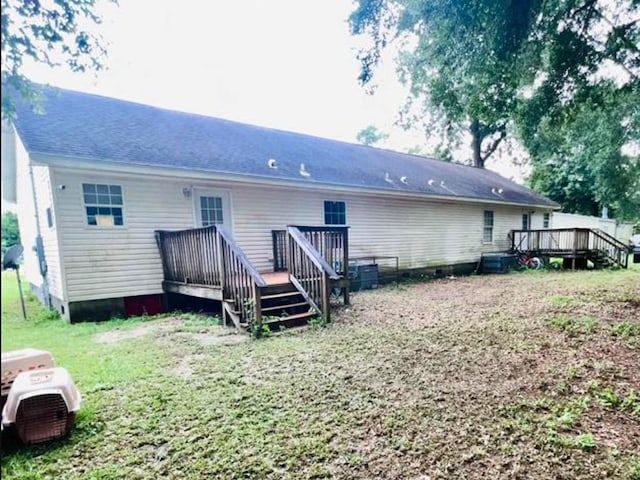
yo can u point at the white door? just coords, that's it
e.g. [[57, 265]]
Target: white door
[[212, 207]]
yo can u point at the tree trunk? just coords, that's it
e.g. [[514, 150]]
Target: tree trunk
[[476, 142]]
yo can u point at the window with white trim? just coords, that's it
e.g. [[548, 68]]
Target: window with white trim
[[487, 236], [103, 204], [335, 213], [546, 220], [526, 221]]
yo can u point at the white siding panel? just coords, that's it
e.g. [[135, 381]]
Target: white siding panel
[[103, 262], [28, 225]]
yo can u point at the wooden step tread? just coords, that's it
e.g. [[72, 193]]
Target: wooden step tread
[[283, 306], [280, 295], [291, 317]]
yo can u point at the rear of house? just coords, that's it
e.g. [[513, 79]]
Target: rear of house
[[97, 177]]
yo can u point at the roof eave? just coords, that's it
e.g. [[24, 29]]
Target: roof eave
[[114, 166]]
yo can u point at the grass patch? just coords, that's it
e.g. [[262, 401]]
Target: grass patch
[[573, 325], [625, 330], [561, 300]]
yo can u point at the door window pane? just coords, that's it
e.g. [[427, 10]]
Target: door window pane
[[211, 212]]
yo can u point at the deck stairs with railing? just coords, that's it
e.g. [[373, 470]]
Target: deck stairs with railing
[[208, 263]]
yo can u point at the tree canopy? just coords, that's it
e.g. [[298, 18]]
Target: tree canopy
[[581, 159], [52, 33], [479, 66], [10, 231], [371, 135]]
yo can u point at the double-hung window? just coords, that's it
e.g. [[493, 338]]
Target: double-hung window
[[103, 204], [487, 235], [335, 213], [546, 220]]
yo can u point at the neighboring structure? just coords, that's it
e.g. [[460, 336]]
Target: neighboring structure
[[620, 230], [98, 176]]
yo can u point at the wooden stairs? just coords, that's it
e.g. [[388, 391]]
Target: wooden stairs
[[281, 304], [208, 263]]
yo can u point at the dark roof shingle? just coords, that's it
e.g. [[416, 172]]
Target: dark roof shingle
[[105, 129]]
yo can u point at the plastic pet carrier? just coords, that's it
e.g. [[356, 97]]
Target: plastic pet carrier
[[42, 405], [20, 361]]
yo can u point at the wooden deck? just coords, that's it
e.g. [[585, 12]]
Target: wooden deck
[[276, 278], [208, 263], [575, 245]]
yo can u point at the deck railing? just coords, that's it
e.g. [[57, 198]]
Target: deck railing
[[331, 242], [309, 271], [570, 241], [210, 257], [190, 256], [279, 242]]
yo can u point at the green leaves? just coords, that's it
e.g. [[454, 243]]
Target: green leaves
[[562, 77], [49, 33], [10, 232], [581, 157]]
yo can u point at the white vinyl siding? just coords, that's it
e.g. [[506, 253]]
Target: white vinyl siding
[[27, 223], [103, 263]]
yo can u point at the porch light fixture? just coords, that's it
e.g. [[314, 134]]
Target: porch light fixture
[[186, 192], [272, 163], [431, 182], [404, 180]]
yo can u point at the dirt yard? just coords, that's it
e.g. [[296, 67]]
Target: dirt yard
[[523, 376]]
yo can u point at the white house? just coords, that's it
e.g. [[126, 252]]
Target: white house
[[96, 177]]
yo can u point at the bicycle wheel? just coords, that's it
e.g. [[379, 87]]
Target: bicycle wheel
[[536, 263]]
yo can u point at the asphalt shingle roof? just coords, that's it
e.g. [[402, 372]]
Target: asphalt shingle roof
[[79, 125]]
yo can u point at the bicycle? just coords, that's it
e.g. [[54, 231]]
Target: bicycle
[[526, 261]]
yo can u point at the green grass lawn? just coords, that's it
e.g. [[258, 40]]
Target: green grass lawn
[[530, 375]]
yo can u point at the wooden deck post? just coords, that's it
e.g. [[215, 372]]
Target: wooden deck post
[[257, 298], [326, 306], [345, 266], [220, 261]]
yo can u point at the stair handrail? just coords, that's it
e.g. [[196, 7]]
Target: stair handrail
[[242, 257], [241, 282], [621, 257], [312, 252], [309, 272], [610, 237]]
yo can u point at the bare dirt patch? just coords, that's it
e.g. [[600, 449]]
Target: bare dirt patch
[[115, 336]]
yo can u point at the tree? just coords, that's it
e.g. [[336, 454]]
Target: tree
[[581, 159], [481, 66], [53, 33], [371, 135], [10, 231]]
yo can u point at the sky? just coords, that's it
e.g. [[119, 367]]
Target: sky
[[286, 64]]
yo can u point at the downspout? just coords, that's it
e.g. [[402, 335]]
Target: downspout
[[39, 246]]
